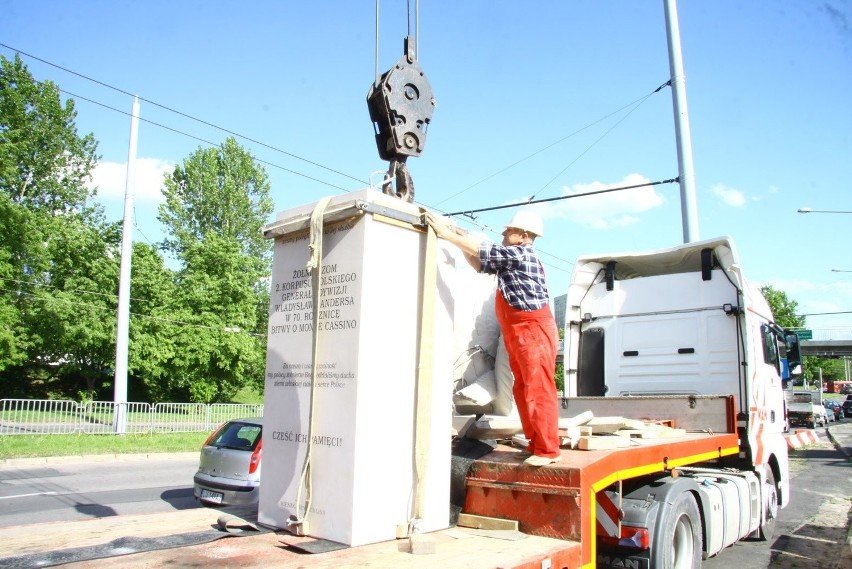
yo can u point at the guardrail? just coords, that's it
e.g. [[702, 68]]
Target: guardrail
[[51, 417]]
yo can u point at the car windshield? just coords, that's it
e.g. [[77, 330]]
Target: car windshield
[[236, 435]]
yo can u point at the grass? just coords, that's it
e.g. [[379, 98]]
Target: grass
[[248, 395], [36, 446], [31, 446]]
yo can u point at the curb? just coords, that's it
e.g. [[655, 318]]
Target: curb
[[846, 451], [74, 459]]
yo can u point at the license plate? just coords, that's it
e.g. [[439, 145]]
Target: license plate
[[215, 497]]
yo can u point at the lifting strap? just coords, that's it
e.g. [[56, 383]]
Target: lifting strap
[[298, 522], [423, 409]]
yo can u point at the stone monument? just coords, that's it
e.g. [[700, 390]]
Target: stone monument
[[366, 472]]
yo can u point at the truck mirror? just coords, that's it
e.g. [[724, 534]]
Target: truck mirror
[[794, 354]]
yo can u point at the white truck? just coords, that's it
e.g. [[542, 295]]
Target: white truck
[[660, 332], [805, 409]]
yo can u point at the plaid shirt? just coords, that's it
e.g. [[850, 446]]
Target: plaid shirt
[[520, 276]]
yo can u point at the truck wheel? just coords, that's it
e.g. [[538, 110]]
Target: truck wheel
[[767, 528], [679, 544]]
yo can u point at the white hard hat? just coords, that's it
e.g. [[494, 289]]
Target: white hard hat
[[527, 221]]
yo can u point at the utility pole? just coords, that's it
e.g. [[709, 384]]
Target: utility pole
[[123, 319], [686, 170]]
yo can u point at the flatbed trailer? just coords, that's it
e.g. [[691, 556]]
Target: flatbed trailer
[[562, 500], [45, 544]]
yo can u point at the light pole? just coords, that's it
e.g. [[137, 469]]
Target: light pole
[[809, 210]]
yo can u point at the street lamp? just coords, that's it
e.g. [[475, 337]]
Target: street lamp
[[809, 210]]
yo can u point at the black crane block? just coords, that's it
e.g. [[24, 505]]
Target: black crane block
[[401, 105]]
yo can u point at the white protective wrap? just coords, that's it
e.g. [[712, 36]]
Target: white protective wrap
[[481, 373]]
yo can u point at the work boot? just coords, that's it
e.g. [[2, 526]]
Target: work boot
[[536, 460]]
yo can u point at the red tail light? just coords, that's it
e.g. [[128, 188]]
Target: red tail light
[[255, 458], [636, 538]]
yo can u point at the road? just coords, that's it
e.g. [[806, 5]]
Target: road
[[77, 490], [811, 531]]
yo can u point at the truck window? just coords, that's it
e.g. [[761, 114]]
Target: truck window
[[770, 347], [591, 381]]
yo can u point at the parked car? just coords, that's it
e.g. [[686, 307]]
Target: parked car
[[229, 468], [847, 406], [837, 407]]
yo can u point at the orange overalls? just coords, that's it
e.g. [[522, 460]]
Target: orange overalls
[[531, 341]]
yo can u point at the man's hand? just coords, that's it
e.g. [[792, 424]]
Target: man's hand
[[457, 236], [442, 229]]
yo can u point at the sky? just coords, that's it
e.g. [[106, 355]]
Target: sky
[[536, 99]]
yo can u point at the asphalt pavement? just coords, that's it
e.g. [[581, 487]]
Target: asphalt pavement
[[840, 435]]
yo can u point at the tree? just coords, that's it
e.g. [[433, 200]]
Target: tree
[[152, 324], [218, 191], [44, 163], [72, 319], [216, 204], [783, 309], [58, 262]]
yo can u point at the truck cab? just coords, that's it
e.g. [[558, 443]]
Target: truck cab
[[685, 322]]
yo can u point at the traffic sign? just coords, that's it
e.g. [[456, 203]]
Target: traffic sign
[[805, 334]]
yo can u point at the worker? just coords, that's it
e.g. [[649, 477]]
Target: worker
[[526, 322]]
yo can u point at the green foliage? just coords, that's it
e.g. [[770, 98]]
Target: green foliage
[[43, 162], [196, 333], [216, 204], [58, 257], [832, 368], [559, 374], [218, 191], [152, 324], [784, 310]]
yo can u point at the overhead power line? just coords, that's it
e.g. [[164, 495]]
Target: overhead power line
[[635, 104], [205, 141], [530, 202], [469, 213], [826, 313], [601, 137], [188, 116]]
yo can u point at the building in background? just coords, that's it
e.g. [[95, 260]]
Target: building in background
[[559, 305]]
